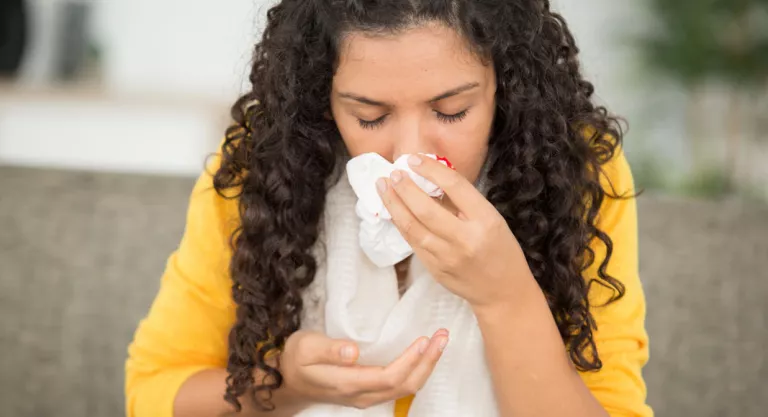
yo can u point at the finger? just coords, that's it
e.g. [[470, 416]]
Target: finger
[[427, 210], [466, 197], [399, 375], [421, 373], [398, 371], [316, 348], [414, 232], [371, 379]]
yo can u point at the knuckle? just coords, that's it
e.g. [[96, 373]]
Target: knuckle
[[310, 351], [451, 262], [471, 251], [421, 211], [425, 241], [453, 180], [407, 227], [497, 222], [410, 388], [393, 381], [471, 246], [300, 346]]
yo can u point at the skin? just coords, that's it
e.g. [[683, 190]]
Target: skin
[[423, 91], [404, 74]]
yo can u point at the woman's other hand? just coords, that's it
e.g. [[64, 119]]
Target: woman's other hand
[[318, 369]]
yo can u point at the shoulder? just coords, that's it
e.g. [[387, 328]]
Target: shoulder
[[205, 253], [616, 175], [217, 212]]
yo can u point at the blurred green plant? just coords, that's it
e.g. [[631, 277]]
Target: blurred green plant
[[649, 173], [698, 40], [712, 183], [702, 41]]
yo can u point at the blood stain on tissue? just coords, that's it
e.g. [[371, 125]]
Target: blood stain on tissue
[[447, 162]]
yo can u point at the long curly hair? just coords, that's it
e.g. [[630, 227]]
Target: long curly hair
[[547, 145]]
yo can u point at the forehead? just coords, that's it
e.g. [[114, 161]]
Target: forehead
[[423, 59]]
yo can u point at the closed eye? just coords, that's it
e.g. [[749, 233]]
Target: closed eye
[[451, 118], [445, 118], [371, 124]]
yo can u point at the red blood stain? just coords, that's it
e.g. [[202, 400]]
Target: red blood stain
[[447, 162]]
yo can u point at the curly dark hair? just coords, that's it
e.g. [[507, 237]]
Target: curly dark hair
[[547, 146]]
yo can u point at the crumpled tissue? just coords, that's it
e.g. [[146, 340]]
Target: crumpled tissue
[[379, 237]]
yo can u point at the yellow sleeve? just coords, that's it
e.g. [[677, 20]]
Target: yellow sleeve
[[621, 339], [187, 327]]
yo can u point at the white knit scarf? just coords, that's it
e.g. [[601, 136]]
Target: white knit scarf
[[353, 299]]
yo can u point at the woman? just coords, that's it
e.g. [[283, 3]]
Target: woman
[[544, 253]]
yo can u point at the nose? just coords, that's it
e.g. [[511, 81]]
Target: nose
[[413, 137]]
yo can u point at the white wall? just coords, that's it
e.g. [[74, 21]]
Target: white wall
[[200, 48], [171, 69], [194, 47], [108, 136]]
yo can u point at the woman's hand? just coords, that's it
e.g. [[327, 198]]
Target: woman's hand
[[472, 253], [318, 369]]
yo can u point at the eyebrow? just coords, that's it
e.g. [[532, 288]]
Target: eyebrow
[[450, 93]]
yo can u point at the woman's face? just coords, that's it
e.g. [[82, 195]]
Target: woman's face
[[419, 91]]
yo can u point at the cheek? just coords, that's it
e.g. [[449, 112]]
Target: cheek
[[466, 146], [359, 141], [468, 164]]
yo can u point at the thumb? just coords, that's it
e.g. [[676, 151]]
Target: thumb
[[318, 348]]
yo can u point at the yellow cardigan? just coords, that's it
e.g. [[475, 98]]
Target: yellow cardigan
[[186, 329]]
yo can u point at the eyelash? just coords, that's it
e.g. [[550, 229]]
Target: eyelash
[[373, 124], [452, 118], [445, 118]]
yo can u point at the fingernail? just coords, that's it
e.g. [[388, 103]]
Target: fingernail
[[381, 184], [347, 352], [414, 160], [396, 176], [443, 344], [423, 345]]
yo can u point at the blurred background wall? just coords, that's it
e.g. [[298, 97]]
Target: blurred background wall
[[149, 91], [115, 104]]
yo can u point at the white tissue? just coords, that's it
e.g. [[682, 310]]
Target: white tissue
[[379, 238]]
